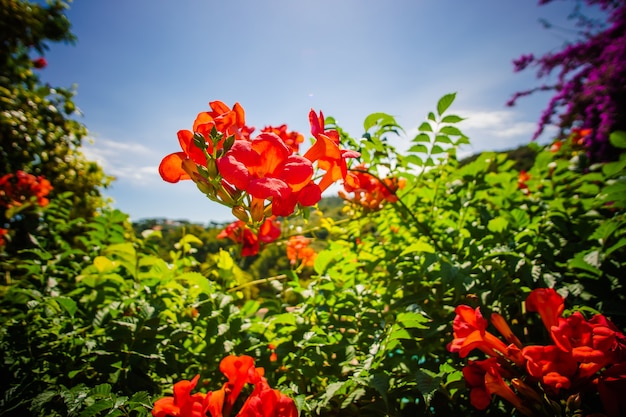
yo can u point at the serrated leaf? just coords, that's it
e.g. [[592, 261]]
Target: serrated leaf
[[444, 103]]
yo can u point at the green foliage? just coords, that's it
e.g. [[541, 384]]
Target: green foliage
[[101, 322]]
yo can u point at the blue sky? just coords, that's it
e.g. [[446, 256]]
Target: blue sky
[[143, 69]]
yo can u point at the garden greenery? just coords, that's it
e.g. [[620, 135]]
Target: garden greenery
[[441, 286]]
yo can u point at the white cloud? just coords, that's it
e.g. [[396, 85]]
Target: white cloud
[[127, 161]]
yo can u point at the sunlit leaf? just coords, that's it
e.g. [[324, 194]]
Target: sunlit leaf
[[444, 103]]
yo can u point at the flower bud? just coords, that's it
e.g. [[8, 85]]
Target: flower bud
[[241, 213], [206, 188], [228, 143], [199, 141], [211, 167]]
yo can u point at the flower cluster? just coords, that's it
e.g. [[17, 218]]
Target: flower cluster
[[586, 357], [257, 177], [369, 191], [21, 187], [299, 251], [589, 91], [263, 401]]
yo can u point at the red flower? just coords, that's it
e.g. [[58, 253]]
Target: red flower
[[551, 365], [241, 234], [266, 169], [226, 121], [291, 139], [485, 379], [369, 191], [19, 188], [262, 402], [548, 303], [182, 404], [326, 152], [470, 333], [40, 63], [612, 386], [3, 233]]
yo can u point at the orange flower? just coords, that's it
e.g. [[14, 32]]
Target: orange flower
[[325, 151], [522, 179], [470, 333], [182, 404], [298, 250], [291, 139]]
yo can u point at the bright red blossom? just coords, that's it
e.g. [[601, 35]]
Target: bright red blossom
[[325, 151], [241, 234], [266, 169], [183, 403], [240, 370], [470, 333], [548, 303], [226, 121]]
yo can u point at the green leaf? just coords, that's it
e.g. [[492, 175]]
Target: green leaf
[[378, 118], [452, 118], [418, 149], [420, 247], [425, 127], [618, 139], [422, 137], [412, 320], [431, 116], [444, 103], [451, 130], [68, 304], [497, 224]]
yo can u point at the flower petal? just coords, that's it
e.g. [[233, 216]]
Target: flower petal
[[171, 169]]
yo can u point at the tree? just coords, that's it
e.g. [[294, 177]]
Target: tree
[[39, 133], [590, 90]]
